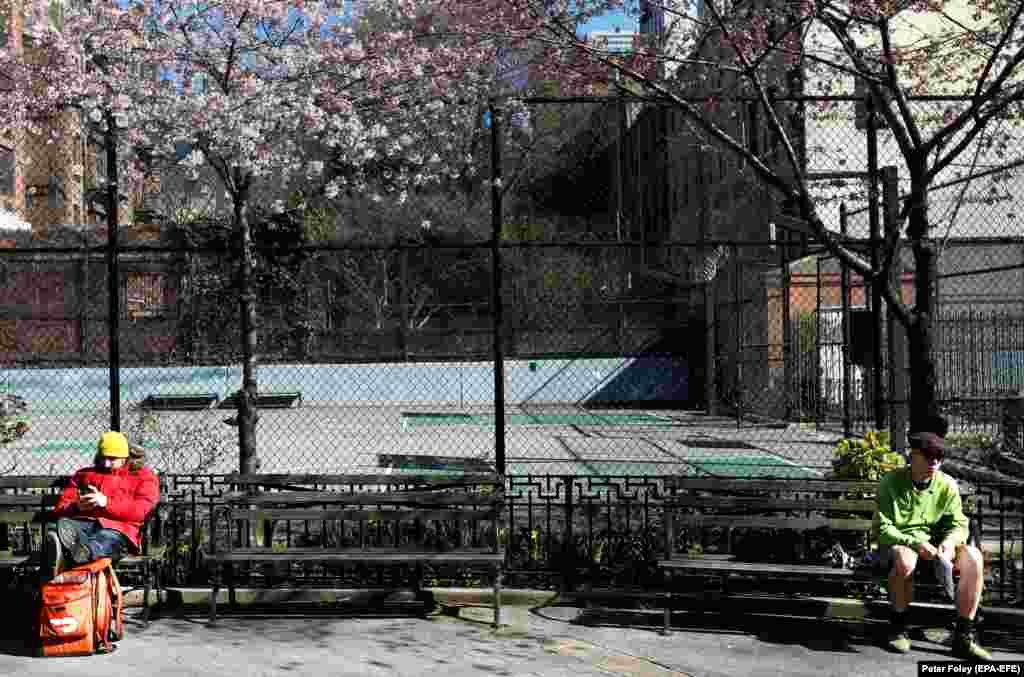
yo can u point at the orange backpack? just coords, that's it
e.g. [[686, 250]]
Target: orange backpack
[[81, 611]]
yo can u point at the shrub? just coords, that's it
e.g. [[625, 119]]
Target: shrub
[[865, 459], [13, 426]]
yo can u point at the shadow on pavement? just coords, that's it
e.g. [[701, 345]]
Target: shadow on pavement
[[812, 634]]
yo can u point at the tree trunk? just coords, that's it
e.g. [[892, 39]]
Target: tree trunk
[[923, 390], [247, 415]]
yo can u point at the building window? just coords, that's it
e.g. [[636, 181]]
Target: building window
[[144, 295], [5, 22], [55, 192], [6, 171]]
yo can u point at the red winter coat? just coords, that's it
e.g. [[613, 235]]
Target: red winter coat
[[131, 496]]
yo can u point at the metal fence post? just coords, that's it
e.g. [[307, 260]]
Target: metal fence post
[[113, 275], [897, 336], [496, 307], [708, 287], [787, 336], [818, 408], [737, 368], [876, 291], [568, 547], [844, 289]]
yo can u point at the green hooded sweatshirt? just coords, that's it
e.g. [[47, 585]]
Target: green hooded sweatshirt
[[908, 516]]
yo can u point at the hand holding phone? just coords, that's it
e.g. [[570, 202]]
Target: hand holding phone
[[92, 498]]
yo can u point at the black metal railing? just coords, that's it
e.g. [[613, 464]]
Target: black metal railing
[[571, 532]]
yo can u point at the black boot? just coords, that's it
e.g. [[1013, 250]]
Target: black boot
[[898, 639], [965, 642]]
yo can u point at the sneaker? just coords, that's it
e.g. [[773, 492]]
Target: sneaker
[[71, 539], [51, 556], [965, 646], [899, 641], [81, 554]]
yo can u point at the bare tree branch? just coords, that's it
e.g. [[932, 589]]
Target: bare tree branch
[[998, 49], [894, 84], [981, 120], [991, 93]]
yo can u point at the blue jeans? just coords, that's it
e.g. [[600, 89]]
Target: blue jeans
[[100, 542]]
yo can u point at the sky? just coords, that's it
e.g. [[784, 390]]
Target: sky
[[609, 22]]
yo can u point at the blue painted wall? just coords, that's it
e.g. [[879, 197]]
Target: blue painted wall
[[593, 380]]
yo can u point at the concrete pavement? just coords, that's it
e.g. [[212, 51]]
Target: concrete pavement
[[457, 641]]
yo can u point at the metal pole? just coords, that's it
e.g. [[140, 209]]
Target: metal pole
[[618, 165], [817, 343], [496, 307], [708, 287], [844, 289], [113, 276], [897, 337], [737, 370], [876, 291], [787, 334]]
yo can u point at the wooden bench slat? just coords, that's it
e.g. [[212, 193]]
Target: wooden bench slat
[[733, 566], [19, 517], [7, 561], [32, 482], [757, 522], [779, 486], [358, 556], [18, 500], [364, 480], [749, 503], [357, 515]]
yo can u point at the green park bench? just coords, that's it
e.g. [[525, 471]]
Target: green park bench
[[361, 520], [192, 402], [267, 400], [802, 508], [24, 502]]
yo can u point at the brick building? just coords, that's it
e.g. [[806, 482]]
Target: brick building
[[48, 184]]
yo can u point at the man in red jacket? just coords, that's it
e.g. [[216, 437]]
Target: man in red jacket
[[101, 512]]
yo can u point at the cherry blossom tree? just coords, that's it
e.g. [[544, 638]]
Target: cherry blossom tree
[[245, 84], [714, 62]]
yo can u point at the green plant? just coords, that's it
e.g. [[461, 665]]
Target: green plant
[[865, 459], [13, 426], [973, 446]]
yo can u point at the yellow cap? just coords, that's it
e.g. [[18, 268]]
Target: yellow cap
[[113, 445]]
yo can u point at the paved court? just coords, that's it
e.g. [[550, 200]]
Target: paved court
[[546, 642], [550, 440]]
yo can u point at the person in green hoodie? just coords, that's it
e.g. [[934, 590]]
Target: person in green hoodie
[[920, 518]]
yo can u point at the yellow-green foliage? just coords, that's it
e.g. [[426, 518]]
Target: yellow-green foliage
[[865, 459]]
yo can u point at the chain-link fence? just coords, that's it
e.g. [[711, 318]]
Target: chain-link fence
[[659, 313]]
